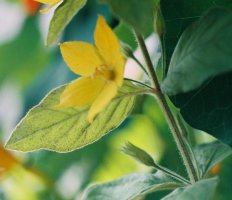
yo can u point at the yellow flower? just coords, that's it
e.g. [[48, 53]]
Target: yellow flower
[[101, 67], [50, 3]]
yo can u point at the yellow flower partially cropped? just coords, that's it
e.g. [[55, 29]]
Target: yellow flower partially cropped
[[101, 67], [50, 3]]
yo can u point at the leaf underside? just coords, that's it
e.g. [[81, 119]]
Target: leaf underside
[[209, 154], [130, 187], [203, 189], [63, 130]]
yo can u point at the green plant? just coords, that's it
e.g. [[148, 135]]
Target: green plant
[[195, 39]]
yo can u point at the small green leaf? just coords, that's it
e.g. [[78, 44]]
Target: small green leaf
[[202, 190], [209, 154], [62, 130], [62, 16], [126, 35], [130, 187], [203, 51], [138, 14]]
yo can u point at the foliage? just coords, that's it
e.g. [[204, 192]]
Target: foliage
[[62, 16], [194, 39], [62, 129], [130, 187]]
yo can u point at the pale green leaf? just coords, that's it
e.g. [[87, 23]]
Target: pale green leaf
[[46, 127], [203, 51], [202, 190], [130, 187], [62, 16], [209, 154]]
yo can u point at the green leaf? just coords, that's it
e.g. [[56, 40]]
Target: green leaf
[[203, 189], [62, 16], [209, 154], [138, 14], [130, 187], [179, 14], [203, 51], [126, 35], [67, 129], [209, 108]]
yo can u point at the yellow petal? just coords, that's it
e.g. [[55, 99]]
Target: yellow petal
[[119, 71], [106, 95], [82, 58], [81, 92], [51, 4], [109, 47]]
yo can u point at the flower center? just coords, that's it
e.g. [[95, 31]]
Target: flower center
[[105, 73]]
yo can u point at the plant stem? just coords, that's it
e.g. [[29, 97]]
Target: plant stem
[[140, 83], [185, 136], [171, 173], [140, 64], [177, 134]]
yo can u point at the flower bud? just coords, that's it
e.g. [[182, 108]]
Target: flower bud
[[138, 154]]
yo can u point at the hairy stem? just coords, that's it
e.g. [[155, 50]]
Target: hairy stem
[[171, 174], [176, 132]]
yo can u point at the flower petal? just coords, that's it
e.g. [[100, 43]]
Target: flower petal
[[106, 95], [109, 47], [81, 92], [82, 58], [119, 71]]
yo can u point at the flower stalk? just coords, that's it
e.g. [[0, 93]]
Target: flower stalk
[[176, 132], [144, 158]]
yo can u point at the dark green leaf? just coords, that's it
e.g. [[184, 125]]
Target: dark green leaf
[[138, 14], [202, 190], [208, 155], [62, 16], [67, 129], [179, 14], [204, 51], [209, 108], [129, 187]]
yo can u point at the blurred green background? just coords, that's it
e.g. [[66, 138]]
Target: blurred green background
[[28, 71]]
